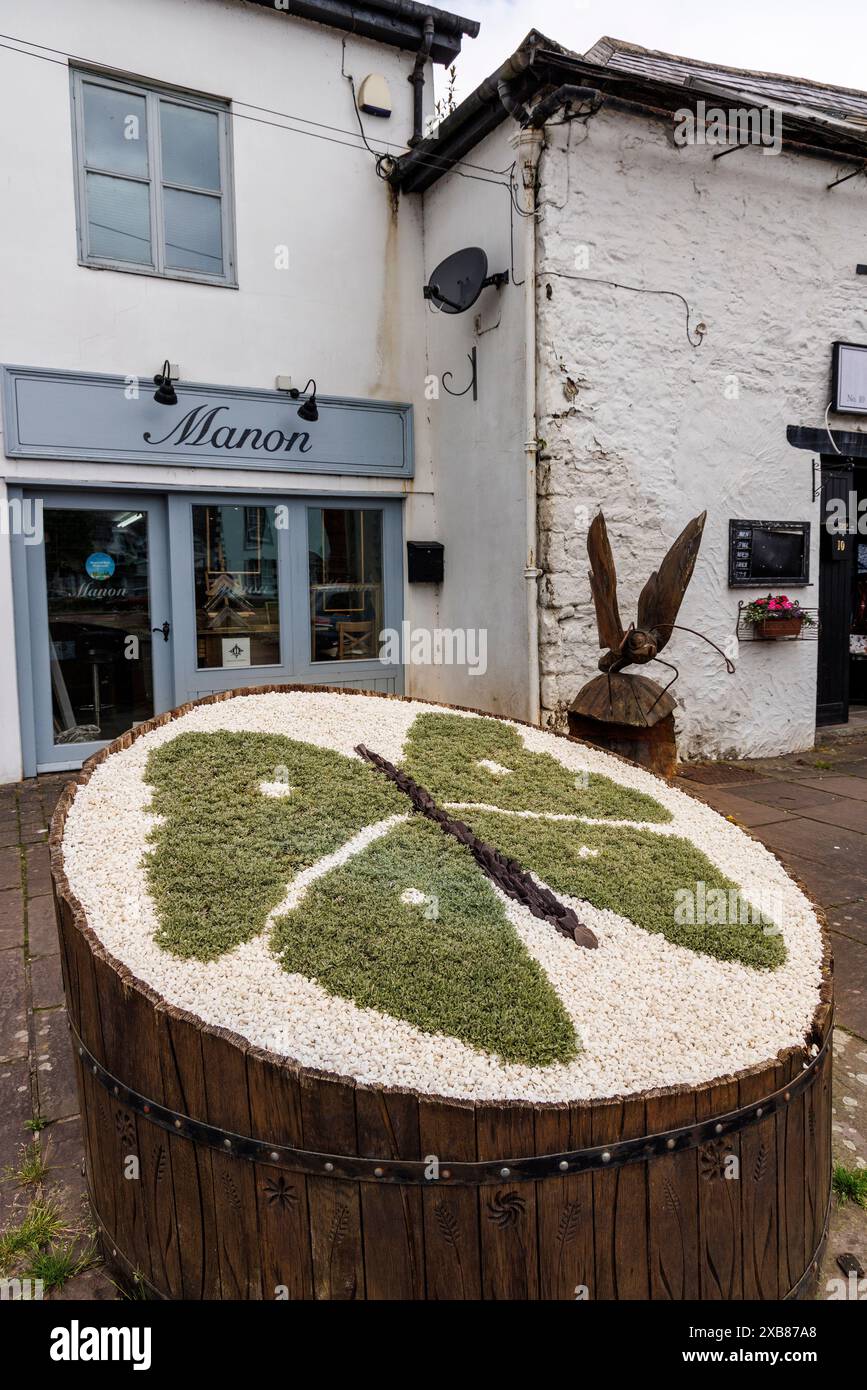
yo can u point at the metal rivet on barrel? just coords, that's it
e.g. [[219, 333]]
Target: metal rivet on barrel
[[177, 1124], [93, 1069], [670, 1143], [146, 1109], [81, 1052], [116, 1090], [445, 1172], [227, 1143], [274, 1155], [718, 1129], [759, 1113], [377, 1172], [606, 1157], [329, 1167], [564, 1167], [787, 1096], [504, 1172]]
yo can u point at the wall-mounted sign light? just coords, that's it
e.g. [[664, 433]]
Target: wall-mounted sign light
[[309, 410], [165, 393]]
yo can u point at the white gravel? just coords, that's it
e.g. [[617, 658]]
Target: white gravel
[[648, 1013]]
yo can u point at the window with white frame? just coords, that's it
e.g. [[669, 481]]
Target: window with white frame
[[153, 180]]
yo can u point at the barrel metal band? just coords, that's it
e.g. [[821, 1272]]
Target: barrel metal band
[[422, 1172]]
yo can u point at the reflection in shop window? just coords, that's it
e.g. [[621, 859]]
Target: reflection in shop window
[[99, 622], [237, 605], [345, 556]]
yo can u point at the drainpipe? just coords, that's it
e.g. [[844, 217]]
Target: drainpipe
[[528, 143], [416, 77]]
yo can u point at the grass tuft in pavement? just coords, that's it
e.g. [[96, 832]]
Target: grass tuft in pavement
[[849, 1185]]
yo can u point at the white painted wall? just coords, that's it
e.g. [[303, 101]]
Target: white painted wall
[[479, 446], [348, 311], [637, 422]]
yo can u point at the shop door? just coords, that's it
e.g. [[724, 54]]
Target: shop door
[[835, 604], [100, 622]]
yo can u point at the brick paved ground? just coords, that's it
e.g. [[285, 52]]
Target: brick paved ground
[[810, 808], [36, 1073]]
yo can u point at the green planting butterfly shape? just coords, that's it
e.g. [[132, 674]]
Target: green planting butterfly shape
[[408, 924]]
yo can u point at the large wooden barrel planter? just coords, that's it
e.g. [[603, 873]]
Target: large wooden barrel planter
[[219, 1168]]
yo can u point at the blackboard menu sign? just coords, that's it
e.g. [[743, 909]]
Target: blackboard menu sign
[[769, 554]]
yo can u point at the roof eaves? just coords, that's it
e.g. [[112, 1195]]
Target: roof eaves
[[398, 23], [538, 63]]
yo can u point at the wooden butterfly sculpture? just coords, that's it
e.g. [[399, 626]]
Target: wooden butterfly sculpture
[[658, 603]]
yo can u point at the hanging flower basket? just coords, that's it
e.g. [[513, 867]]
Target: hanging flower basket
[[777, 616]]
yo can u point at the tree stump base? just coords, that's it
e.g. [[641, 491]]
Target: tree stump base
[[629, 715]]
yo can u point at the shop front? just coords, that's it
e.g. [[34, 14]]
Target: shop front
[[132, 597]]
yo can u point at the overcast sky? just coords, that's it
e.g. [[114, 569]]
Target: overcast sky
[[822, 39]]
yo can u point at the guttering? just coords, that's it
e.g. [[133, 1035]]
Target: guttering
[[398, 23], [568, 96]]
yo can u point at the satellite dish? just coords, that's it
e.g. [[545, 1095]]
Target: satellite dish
[[458, 281]]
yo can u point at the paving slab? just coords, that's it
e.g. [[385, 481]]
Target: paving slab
[[850, 983], [824, 844], [11, 918], [844, 813], [789, 796], [38, 867], [13, 1004], [10, 868], [828, 885], [849, 919], [15, 1108], [42, 938], [46, 981], [840, 784], [747, 813], [62, 1144], [55, 1073]]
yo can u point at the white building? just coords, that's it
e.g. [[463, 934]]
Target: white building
[[688, 295], [219, 188]]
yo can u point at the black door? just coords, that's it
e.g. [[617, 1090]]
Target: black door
[[835, 602]]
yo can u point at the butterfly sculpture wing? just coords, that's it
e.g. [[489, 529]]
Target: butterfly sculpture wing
[[603, 585], [662, 595]]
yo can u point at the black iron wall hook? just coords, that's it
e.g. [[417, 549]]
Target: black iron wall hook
[[474, 380]]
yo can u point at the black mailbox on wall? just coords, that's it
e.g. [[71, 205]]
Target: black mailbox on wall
[[425, 562]]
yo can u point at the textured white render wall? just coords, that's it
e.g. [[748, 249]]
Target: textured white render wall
[[638, 423], [348, 311], [479, 446]]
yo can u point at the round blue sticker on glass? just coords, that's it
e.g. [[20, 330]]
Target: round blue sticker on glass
[[99, 565]]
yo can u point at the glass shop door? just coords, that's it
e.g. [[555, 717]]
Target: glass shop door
[[100, 622]]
